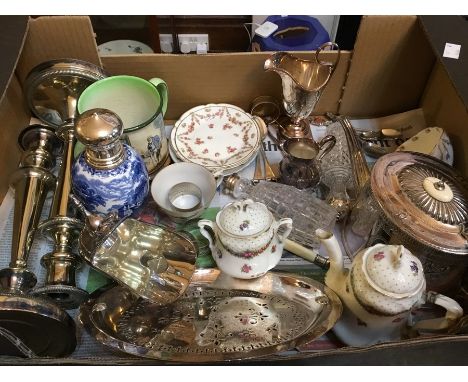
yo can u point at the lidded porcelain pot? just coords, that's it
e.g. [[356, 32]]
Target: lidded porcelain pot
[[109, 176], [384, 285], [388, 278], [246, 242]]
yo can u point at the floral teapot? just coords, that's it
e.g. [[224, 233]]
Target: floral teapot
[[246, 242], [379, 292]]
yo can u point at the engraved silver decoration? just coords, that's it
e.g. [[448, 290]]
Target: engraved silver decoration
[[303, 82], [153, 262], [218, 318]]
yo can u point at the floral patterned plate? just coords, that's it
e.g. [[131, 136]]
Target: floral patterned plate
[[219, 136], [223, 172]]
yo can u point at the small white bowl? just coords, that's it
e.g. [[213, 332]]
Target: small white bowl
[[432, 141], [183, 172]]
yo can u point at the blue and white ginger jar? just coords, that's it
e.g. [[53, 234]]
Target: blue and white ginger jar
[[109, 176]]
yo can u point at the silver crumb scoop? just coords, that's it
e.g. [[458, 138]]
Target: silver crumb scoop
[[152, 261]]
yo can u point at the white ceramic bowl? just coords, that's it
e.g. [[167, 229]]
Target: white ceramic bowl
[[432, 141], [181, 172]]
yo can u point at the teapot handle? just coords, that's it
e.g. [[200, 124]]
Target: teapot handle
[[286, 222], [328, 142], [211, 239], [454, 312]]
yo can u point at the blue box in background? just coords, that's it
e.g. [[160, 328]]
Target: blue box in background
[[294, 33]]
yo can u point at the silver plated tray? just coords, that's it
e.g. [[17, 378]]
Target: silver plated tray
[[219, 318]]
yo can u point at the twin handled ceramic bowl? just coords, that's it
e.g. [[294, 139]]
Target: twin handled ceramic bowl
[[246, 241]]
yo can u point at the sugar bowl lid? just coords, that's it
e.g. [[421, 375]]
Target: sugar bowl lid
[[393, 271], [244, 218], [424, 198]]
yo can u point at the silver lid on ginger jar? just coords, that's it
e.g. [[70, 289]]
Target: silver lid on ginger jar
[[99, 130]]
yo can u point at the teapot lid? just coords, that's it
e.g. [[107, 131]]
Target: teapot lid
[[244, 218], [393, 270]]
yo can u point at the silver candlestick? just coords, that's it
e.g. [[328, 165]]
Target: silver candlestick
[[53, 89], [31, 326]]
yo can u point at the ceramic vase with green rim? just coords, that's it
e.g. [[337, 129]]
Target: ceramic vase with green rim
[[141, 105]]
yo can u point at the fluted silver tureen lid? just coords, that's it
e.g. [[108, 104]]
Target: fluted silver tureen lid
[[425, 198]]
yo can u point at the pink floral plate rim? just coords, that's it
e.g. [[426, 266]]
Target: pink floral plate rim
[[214, 170], [216, 135]]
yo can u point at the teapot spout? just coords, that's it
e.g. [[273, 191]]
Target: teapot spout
[[336, 274]]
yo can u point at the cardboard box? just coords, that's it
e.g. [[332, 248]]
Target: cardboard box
[[392, 69]]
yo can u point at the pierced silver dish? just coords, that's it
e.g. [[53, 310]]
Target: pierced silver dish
[[219, 318]]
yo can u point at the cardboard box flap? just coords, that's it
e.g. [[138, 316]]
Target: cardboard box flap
[[235, 78], [57, 37], [14, 118], [450, 29], [391, 63], [444, 108], [13, 30]]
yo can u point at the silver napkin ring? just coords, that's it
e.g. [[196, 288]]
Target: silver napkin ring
[[185, 197]]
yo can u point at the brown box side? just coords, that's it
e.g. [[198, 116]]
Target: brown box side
[[235, 78], [443, 107], [14, 117], [14, 32], [391, 63], [57, 37]]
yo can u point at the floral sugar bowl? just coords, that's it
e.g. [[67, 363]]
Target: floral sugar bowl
[[246, 242], [109, 176], [379, 293]]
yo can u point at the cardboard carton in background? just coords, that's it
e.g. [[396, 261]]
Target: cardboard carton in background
[[393, 68]]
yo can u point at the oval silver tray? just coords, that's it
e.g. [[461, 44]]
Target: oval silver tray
[[218, 318]]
